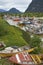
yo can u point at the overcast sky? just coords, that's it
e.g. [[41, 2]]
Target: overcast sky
[[19, 4]]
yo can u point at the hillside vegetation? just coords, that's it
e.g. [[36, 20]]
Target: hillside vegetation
[[11, 35]]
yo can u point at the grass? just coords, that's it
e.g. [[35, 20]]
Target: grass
[[14, 35], [5, 61]]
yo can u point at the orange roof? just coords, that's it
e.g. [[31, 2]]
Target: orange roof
[[16, 19]]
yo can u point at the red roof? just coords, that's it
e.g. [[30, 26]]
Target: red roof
[[16, 19], [22, 59]]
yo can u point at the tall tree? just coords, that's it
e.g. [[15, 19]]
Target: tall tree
[[35, 42]]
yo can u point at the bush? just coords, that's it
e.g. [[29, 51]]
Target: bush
[[35, 42]]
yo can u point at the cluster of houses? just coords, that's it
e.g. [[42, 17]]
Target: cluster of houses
[[31, 24], [20, 55], [12, 49]]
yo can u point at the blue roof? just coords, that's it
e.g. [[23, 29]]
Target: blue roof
[[28, 22]]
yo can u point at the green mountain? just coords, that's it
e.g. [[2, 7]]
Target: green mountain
[[14, 10]]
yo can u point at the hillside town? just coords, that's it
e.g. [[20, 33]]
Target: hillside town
[[30, 24], [21, 32], [22, 55]]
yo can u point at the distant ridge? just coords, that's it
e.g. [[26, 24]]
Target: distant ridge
[[35, 6], [14, 10], [2, 10]]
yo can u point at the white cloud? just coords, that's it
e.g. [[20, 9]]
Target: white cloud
[[19, 4]]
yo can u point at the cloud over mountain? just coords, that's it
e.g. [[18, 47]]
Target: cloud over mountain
[[19, 4]]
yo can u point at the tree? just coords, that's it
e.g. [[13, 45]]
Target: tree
[[35, 42]]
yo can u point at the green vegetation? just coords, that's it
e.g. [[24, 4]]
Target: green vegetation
[[35, 42], [5, 61], [32, 14], [11, 35]]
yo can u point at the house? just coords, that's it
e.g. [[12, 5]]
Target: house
[[22, 59]]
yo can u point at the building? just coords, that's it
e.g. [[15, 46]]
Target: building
[[22, 59]]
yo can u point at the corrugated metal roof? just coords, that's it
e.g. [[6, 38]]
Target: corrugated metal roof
[[22, 58]]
